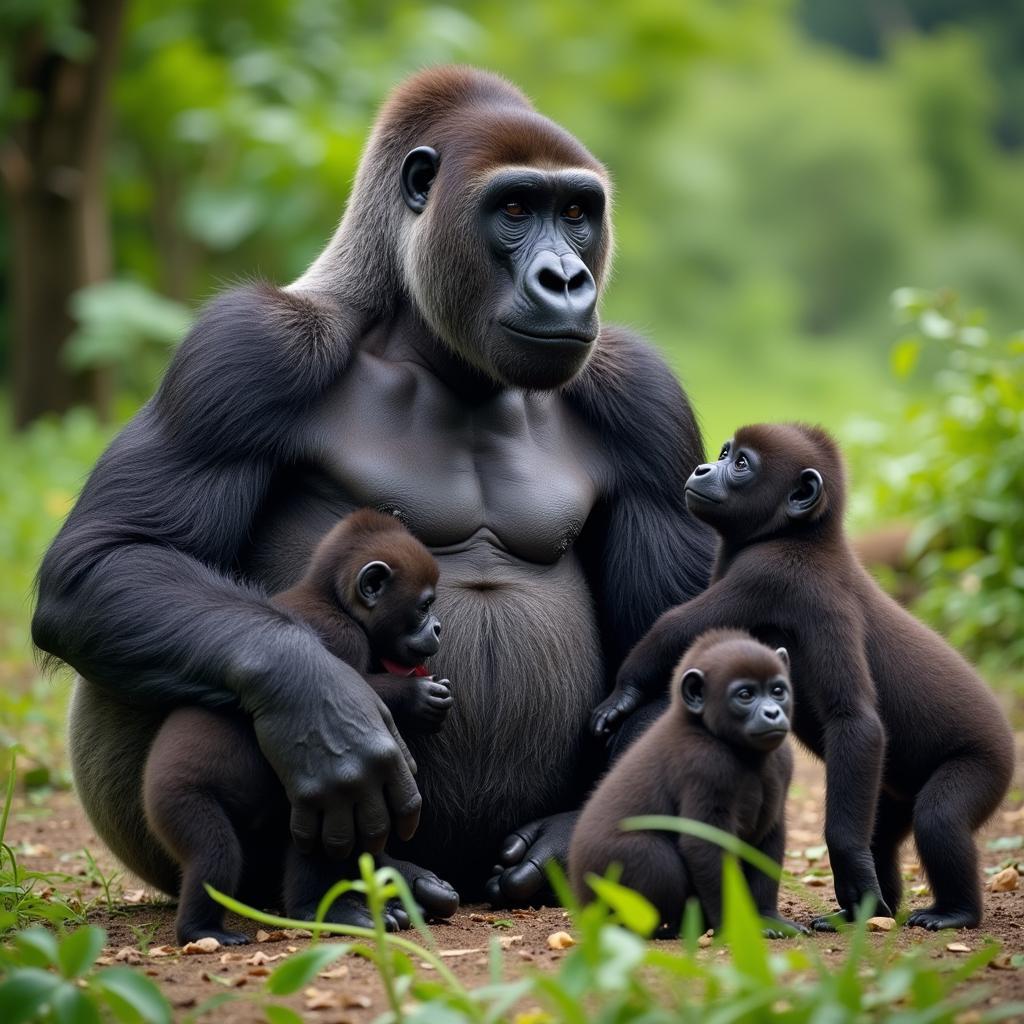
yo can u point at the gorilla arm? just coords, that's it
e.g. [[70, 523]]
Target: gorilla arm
[[136, 593], [643, 550]]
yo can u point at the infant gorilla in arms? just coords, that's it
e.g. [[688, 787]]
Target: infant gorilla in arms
[[368, 593], [718, 755]]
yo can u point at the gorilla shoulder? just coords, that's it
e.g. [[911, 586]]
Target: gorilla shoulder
[[278, 348]]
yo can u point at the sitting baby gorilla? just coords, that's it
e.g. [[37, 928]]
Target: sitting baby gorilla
[[368, 592], [717, 755]]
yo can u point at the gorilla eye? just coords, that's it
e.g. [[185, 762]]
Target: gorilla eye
[[573, 212], [724, 452], [778, 692], [745, 694], [514, 208], [741, 462]]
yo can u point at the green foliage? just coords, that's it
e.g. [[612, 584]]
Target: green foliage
[[960, 475], [53, 979], [613, 976]]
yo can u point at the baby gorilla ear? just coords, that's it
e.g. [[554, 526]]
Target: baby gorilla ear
[[693, 690], [783, 654], [372, 581], [806, 498]]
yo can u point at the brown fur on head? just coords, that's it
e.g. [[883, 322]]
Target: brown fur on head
[[362, 537], [382, 253], [771, 479], [737, 687]]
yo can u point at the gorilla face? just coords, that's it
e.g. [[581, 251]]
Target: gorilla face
[[507, 272]]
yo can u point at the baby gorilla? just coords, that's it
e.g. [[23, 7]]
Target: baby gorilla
[[717, 755], [911, 737], [208, 790]]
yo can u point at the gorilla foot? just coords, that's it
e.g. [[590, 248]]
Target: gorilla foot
[[935, 918], [435, 896], [830, 922], [350, 909], [783, 928]]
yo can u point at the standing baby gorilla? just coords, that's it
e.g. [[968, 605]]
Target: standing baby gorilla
[[368, 592], [910, 735], [718, 755]]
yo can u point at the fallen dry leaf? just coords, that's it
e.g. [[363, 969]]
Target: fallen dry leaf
[[958, 947], [560, 940], [881, 924], [278, 936], [706, 939], [236, 982], [341, 971], [133, 895], [816, 881], [1003, 962], [506, 941], [207, 944], [485, 918], [351, 1000], [161, 951], [297, 933], [128, 955], [321, 999], [460, 952], [259, 958], [1005, 881], [36, 850], [258, 972]]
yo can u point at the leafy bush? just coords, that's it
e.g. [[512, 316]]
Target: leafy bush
[[960, 478]]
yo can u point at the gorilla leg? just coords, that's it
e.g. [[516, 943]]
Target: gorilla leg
[[654, 867], [956, 800], [892, 825], [204, 789]]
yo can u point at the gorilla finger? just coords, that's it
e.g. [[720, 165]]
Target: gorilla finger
[[399, 913], [405, 802], [389, 721], [435, 896], [338, 832], [523, 882], [515, 846], [305, 827], [492, 891], [373, 823]]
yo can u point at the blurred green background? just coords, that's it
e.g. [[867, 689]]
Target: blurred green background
[[780, 170]]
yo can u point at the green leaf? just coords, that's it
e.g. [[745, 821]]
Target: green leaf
[[302, 968], [741, 925], [70, 1005], [134, 991], [904, 356], [635, 912], [688, 827], [79, 949], [23, 992], [281, 1014], [38, 947]]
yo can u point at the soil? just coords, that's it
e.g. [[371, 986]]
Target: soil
[[50, 835]]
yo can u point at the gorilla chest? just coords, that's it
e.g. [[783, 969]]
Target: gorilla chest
[[520, 466]]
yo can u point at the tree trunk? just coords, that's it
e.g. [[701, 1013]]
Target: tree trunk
[[52, 167]]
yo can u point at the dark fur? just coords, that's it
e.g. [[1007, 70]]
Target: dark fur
[[912, 738], [156, 588], [699, 767], [209, 810]]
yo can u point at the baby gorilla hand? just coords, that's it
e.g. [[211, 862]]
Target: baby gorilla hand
[[614, 709], [429, 703]]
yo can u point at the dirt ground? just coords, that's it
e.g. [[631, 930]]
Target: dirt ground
[[52, 835]]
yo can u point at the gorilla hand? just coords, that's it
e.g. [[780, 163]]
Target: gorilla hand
[[519, 877], [435, 897], [615, 709], [333, 744]]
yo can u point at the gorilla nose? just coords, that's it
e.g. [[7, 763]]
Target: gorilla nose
[[772, 712], [561, 285], [437, 630], [703, 469]]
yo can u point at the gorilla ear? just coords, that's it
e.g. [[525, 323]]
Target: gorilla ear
[[807, 497], [418, 172], [693, 690], [783, 655], [372, 581]]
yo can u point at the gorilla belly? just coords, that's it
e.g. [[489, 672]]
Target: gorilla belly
[[522, 651]]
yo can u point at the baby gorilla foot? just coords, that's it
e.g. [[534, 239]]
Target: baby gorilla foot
[[934, 918], [435, 897], [830, 922], [783, 928]]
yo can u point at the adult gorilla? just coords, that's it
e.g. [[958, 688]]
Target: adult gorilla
[[441, 359]]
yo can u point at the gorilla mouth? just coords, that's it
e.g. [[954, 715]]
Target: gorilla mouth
[[691, 492], [574, 335], [393, 668]]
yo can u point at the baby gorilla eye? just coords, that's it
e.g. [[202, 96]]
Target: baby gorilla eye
[[723, 453], [741, 462], [745, 694], [778, 692]]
